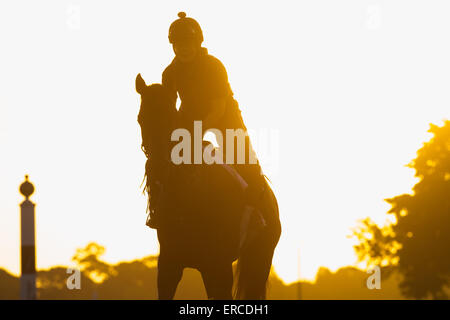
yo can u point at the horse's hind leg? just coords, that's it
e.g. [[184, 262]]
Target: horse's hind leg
[[169, 275], [218, 281]]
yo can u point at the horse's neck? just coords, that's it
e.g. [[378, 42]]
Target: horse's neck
[[160, 156]]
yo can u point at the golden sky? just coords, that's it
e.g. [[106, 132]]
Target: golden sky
[[344, 89]]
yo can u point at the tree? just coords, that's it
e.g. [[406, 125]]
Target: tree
[[417, 244], [88, 259]]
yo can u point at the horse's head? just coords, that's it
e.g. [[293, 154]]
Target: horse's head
[[156, 115]]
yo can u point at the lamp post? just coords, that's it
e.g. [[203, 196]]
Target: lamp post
[[28, 251]]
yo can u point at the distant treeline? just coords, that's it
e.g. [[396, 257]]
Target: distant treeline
[[137, 280]]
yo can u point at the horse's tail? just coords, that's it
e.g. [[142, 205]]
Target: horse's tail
[[255, 258]]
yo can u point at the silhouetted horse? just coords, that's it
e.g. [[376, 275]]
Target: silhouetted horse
[[202, 220]]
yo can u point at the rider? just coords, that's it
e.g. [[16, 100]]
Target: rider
[[201, 82]]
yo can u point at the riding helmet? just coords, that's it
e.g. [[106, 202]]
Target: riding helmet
[[184, 29]]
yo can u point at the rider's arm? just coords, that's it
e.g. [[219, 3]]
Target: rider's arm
[[217, 107], [218, 93]]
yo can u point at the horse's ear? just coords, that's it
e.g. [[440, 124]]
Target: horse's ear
[[140, 84]]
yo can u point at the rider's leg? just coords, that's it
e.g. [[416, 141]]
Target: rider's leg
[[169, 275], [218, 281], [250, 172]]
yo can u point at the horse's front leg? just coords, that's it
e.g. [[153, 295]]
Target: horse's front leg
[[218, 280], [169, 275]]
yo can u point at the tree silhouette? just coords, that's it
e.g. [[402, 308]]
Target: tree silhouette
[[88, 259], [417, 244]]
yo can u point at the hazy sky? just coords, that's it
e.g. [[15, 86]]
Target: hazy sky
[[340, 94]]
